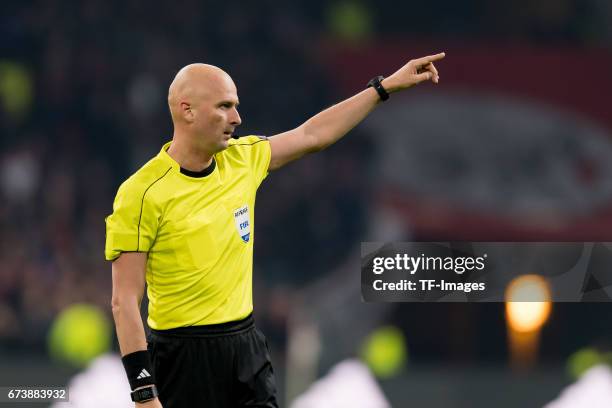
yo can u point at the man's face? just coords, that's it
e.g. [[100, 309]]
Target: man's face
[[216, 115]]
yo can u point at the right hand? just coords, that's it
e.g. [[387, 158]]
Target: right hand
[[414, 72], [154, 403]]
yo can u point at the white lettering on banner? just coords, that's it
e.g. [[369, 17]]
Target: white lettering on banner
[[412, 264]]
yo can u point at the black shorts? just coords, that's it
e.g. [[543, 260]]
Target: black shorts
[[214, 366]]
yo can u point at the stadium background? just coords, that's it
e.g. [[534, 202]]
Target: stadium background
[[514, 144]]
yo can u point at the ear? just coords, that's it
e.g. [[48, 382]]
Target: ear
[[187, 112]]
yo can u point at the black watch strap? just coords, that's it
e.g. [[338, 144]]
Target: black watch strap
[[376, 84], [144, 394]]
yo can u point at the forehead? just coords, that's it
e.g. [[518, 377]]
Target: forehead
[[221, 87]]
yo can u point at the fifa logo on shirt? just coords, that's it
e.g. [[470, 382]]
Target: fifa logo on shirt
[[241, 216]]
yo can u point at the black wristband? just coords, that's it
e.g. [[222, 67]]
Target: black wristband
[[376, 84], [139, 369], [144, 394]]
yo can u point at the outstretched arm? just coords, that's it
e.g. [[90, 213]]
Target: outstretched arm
[[328, 126]]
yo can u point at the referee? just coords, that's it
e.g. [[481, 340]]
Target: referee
[[184, 223]]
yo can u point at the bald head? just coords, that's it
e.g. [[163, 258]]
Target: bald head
[[194, 84], [203, 102]]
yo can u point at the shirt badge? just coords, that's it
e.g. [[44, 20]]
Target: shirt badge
[[241, 216]]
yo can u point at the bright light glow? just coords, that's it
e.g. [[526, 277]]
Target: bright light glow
[[528, 303]]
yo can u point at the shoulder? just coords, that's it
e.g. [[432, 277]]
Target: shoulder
[[144, 179], [247, 141], [246, 146]]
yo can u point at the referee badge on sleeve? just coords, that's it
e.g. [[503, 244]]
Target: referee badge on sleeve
[[241, 216]]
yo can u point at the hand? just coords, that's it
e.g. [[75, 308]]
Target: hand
[[154, 403], [414, 72]]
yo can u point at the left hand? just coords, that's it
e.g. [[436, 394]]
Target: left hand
[[413, 73]]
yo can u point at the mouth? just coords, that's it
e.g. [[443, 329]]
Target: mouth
[[228, 134]]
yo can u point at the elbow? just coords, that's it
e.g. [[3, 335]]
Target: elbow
[[126, 303], [119, 305], [313, 140], [116, 306], [317, 147]]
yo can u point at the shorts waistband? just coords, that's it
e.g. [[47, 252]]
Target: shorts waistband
[[209, 330]]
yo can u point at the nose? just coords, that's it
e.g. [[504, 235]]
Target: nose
[[235, 119]]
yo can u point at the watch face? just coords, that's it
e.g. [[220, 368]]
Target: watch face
[[144, 394]]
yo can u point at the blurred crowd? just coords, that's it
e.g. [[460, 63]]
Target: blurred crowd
[[82, 105], [90, 79]]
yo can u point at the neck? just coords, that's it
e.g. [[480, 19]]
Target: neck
[[189, 156]]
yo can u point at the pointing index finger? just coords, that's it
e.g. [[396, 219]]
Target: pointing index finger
[[431, 58]]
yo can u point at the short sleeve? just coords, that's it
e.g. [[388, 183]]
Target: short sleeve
[[132, 226], [260, 156]]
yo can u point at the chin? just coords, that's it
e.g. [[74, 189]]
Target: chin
[[223, 144]]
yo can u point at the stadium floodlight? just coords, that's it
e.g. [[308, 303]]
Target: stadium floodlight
[[528, 303], [528, 307]]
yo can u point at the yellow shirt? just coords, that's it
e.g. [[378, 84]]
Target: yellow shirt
[[198, 232]]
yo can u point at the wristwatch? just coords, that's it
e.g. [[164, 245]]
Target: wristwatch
[[376, 84], [144, 394]]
